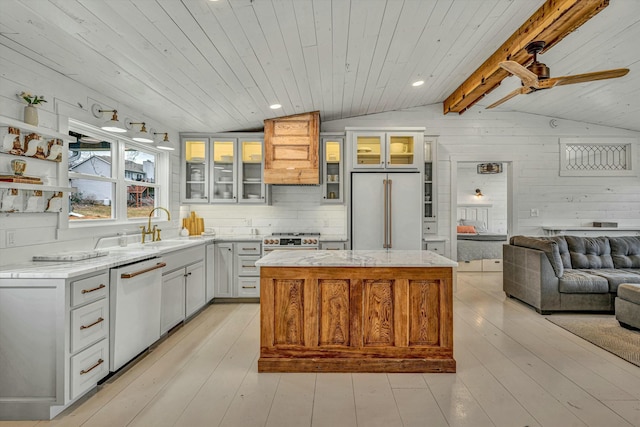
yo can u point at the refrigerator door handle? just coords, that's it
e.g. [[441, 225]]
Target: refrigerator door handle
[[385, 207], [389, 245]]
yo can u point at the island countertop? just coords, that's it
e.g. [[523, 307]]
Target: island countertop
[[355, 258]]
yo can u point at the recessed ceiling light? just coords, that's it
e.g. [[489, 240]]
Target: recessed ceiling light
[[418, 83], [275, 106]]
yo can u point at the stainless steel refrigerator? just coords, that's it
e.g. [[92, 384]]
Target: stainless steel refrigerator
[[386, 211]]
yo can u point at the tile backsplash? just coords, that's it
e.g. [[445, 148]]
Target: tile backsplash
[[293, 208]]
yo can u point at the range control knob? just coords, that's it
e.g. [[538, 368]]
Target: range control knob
[[314, 241]]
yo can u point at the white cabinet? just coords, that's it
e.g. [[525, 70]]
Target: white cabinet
[[183, 286], [237, 275], [386, 149], [173, 296], [58, 330], [332, 169], [437, 246], [247, 273], [194, 288], [332, 246], [209, 266], [224, 270], [223, 168]]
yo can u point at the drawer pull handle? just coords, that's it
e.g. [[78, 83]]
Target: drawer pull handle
[[249, 249], [146, 270], [248, 266], [100, 319], [98, 363], [86, 291], [248, 287]]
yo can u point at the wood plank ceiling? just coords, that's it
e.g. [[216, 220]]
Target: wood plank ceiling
[[202, 65]]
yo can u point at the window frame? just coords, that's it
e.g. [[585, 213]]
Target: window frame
[[119, 143], [630, 156]]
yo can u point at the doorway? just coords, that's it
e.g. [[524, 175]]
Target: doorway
[[482, 193]]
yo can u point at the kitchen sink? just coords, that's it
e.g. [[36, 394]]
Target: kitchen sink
[[151, 246]]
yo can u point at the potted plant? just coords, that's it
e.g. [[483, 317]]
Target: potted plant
[[30, 111]]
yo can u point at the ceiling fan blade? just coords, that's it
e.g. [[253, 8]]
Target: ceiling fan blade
[[520, 91], [528, 77], [583, 78]]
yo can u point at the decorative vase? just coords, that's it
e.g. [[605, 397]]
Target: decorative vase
[[31, 115]]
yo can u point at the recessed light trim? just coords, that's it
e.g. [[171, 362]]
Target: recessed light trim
[[418, 83], [275, 106]]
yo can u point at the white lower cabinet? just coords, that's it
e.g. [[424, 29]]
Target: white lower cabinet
[[183, 286], [237, 275], [194, 288], [172, 309], [437, 246], [54, 343]]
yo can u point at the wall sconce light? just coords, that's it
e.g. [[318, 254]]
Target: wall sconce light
[[479, 194], [165, 144], [142, 135], [112, 125]]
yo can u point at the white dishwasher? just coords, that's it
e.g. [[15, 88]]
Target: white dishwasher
[[134, 309]]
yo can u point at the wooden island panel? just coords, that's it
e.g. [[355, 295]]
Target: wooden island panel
[[362, 319]]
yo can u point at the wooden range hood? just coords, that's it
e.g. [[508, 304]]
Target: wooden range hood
[[291, 146]]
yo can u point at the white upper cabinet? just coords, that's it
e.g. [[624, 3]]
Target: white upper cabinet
[[223, 169], [386, 149]]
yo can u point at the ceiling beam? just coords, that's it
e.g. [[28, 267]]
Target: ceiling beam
[[551, 23]]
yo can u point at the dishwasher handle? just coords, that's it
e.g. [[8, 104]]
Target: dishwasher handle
[[146, 270]]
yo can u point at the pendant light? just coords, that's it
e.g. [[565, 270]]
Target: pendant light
[[165, 144], [112, 125]]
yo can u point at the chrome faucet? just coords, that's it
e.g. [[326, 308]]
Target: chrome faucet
[[155, 231]]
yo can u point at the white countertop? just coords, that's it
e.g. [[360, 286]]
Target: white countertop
[[117, 256], [380, 258]]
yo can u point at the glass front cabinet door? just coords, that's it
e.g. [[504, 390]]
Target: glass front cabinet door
[[332, 175], [223, 164], [195, 183], [252, 188], [386, 150]]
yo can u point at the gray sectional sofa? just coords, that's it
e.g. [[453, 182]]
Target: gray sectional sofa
[[569, 273]]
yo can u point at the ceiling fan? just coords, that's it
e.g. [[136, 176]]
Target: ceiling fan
[[536, 76]]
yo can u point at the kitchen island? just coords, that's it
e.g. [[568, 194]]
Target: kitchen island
[[356, 311]]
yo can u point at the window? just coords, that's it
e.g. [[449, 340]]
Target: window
[[596, 157], [114, 177]]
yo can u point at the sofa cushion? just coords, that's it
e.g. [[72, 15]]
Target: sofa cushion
[[629, 292], [589, 252], [563, 250], [615, 277], [581, 282], [625, 251], [546, 245]]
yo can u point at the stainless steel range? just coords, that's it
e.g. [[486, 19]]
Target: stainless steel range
[[301, 241]]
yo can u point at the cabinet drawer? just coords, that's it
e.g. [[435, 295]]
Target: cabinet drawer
[[249, 287], [88, 367], [437, 247], [89, 324], [89, 289], [492, 264], [248, 248], [246, 266], [332, 246], [475, 265]]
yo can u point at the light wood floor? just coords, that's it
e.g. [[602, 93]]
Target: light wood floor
[[515, 369]]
